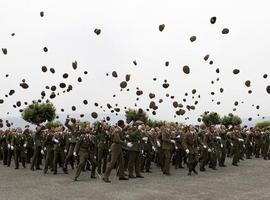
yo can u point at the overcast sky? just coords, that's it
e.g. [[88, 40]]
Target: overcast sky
[[129, 31]]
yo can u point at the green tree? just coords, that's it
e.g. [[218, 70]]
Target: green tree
[[231, 120], [134, 115], [263, 124], [53, 124], [38, 113], [210, 119]]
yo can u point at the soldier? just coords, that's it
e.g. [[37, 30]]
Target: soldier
[[258, 143], [265, 144], [213, 151], [223, 142], [10, 148], [85, 149], [235, 146], [134, 152], [18, 142], [190, 144], [71, 142], [4, 147], [116, 153], [30, 144], [37, 149], [179, 151], [158, 149], [58, 149], [147, 145], [48, 145], [167, 147], [204, 142], [249, 145], [103, 146]]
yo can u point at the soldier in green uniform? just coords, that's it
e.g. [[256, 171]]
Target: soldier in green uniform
[[204, 142], [234, 136], [58, 148], [71, 142], [223, 151], [258, 143], [48, 145], [166, 147], [179, 151], [10, 134], [103, 146], [4, 147], [190, 144], [85, 149], [265, 144], [249, 145], [147, 144], [18, 142], [116, 152], [29, 145], [134, 153], [37, 149]]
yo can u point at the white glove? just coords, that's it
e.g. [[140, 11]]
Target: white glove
[[129, 144], [209, 150], [55, 140], [154, 148], [244, 146], [145, 138], [42, 152], [219, 138], [158, 144], [142, 151], [187, 151], [176, 148], [8, 146], [221, 145], [251, 143], [74, 154], [24, 145], [178, 136], [173, 141], [45, 148], [204, 146], [11, 147], [65, 151], [232, 144]]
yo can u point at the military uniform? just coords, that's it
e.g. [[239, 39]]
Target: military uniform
[[134, 154], [4, 148], [36, 159], [85, 147], [19, 144], [116, 156], [147, 153], [70, 144], [190, 145], [48, 147], [166, 147], [103, 149], [58, 151]]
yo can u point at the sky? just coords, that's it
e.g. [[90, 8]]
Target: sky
[[130, 31]]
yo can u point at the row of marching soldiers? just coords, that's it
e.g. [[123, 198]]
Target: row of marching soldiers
[[131, 148]]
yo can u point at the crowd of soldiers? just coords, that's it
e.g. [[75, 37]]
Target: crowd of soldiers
[[131, 148]]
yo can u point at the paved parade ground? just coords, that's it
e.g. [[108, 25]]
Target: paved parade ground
[[249, 181]]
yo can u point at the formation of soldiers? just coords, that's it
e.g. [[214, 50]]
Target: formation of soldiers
[[130, 149]]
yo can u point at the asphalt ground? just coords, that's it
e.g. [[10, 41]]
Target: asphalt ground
[[251, 180]]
